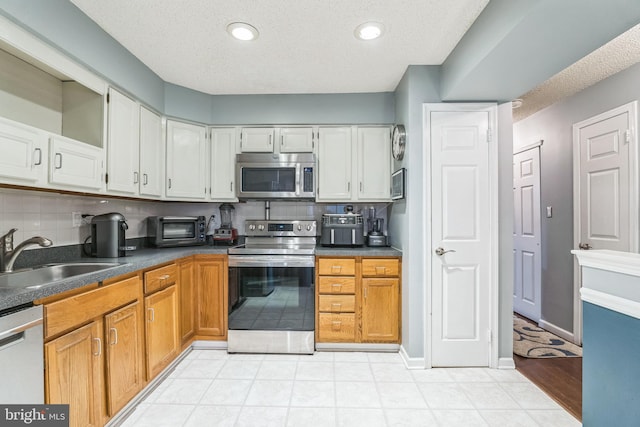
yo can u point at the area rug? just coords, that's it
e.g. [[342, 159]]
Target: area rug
[[531, 341]]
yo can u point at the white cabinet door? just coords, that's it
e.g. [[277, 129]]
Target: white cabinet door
[[374, 164], [151, 154], [123, 149], [223, 164], [257, 140], [186, 160], [334, 164], [75, 164], [296, 140], [24, 154]]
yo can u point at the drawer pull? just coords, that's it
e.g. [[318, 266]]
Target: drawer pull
[[336, 268], [336, 325], [164, 277], [381, 270], [336, 306], [337, 286]]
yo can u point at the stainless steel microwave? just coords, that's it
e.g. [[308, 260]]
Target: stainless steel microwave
[[170, 231], [276, 176]]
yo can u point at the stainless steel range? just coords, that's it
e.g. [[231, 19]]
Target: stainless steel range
[[271, 288]]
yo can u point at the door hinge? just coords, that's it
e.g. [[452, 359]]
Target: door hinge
[[106, 178], [627, 135], [108, 97], [489, 336], [489, 136]]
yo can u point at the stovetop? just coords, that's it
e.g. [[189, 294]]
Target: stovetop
[[278, 237]]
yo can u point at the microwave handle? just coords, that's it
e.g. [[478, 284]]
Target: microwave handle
[[297, 186]]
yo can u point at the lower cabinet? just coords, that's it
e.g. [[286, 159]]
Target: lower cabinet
[[161, 331], [211, 272], [358, 300], [187, 286], [74, 374]]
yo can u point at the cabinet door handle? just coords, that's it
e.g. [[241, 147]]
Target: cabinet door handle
[[152, 315], [39, 161], [169, 182], [365, 292], [282, 140], [57, 162], [361, 186], [231, 186], [135, 177], [270, 139], [114, 334], [349, 186], [145, 179], [99, 343]]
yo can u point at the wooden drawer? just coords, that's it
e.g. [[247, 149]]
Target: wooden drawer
[[73, 311], [333, 327], [336, 285], [160, 278], [380, 267], [337, 266], [337, 303]]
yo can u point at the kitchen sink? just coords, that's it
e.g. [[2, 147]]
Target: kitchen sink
[[37, 277]]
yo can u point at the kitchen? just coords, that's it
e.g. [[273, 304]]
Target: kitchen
[[364, 108]]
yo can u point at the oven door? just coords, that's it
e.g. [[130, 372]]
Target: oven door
[[271, 304]]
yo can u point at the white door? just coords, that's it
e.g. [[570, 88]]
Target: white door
[[462, 230], [334, 164], [223, 164], [296, 140], [151, 154], [256, 140], [605, 188], [374, 164], [75, 164], [527, 265], [186, 160]]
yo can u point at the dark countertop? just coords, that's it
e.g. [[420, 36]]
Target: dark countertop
[[149, 257]]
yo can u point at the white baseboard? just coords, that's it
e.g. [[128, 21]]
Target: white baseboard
[[506, 363], [209, 345], [411, 362], [557, 330]]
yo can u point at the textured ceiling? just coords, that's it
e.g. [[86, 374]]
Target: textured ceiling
[[305, 46], [617, 55]]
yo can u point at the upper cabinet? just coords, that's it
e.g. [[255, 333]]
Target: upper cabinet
[[274, 140], [374, 164], [24, 154], [74, 165], [257, 140], [296, 140], [334, 164], [123, 149], [186, 161], [223, 164], [151, 154]]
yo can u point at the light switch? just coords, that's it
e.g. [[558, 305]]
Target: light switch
[[549, 211]]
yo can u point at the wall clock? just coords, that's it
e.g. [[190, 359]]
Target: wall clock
[[398, 137]]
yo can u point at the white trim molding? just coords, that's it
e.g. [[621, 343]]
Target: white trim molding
[[562, 333], [614, 261], [506, 363], [411, 362], [611, 302]]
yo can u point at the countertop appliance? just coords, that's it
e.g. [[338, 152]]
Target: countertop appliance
[[342, 230], [272, 289], [226, 233], [172, 231], [276, 176], [375, 230], [21, 356], [108, 236]]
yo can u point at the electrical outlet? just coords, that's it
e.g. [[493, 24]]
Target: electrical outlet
[[76, 219]]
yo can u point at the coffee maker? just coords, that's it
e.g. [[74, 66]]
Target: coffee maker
[[108, 236], [226, 233], [375, 230]]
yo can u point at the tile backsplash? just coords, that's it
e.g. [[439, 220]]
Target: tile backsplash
[[49, 215]]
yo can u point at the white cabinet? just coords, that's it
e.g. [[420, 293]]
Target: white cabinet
[[151, 154], [296, 140], [75, 164], [223, 164], [334, 164], [374, 164], [257, 140], [186, 161], [24, 154], [123, 149]]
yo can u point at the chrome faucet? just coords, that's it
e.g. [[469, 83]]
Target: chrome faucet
[[8, 254]]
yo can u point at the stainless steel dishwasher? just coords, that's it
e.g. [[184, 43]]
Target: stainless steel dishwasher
[[21, 356]]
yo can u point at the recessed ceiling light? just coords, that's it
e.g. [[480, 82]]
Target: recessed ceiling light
[[242, 31], [369, 30]]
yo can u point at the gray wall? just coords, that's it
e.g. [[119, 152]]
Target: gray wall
[[554, 126]]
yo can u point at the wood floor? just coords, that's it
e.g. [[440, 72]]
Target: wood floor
[[560, 378]]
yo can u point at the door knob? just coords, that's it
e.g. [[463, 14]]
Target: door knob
[[585, 246], [441, 251]]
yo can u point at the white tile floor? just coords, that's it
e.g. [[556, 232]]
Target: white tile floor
[[212, 388]]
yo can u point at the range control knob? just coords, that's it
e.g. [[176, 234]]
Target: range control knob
[[261, 227], [299, 227], [309, 227], [252, 227]]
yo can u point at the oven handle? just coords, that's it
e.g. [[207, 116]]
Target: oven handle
[[271, 261]]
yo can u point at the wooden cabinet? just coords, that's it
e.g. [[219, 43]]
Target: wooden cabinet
[[257, 140], [123, 148], [24, 154], [151, 154], [75, 165], [296, 140], [358, 300], [374, 164], [223, 164], [94, 350], [162, 335], [336, 300], [212, 296], [334, 164], [187, 297], [74, 374], [186, 161]]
